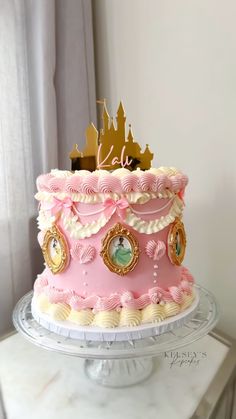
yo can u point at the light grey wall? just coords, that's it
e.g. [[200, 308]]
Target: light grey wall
[[173, 63]]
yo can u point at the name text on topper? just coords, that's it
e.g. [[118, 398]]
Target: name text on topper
[[123, 161]]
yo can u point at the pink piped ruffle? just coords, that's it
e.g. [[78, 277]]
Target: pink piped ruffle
[[115, 301]]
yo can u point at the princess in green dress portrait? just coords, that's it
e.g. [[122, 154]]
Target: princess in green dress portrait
[[122, 255], [177, 244]]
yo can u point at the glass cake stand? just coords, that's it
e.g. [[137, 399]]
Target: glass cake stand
[[119, 363]]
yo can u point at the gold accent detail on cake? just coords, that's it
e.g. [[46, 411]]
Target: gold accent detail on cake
[[81, 317], [153, 313], [59, 311], [55, 250], [130, 317], [111, 148], [177, 242], [120, 250]]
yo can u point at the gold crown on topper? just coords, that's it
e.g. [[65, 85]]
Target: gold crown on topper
[[110, 149]]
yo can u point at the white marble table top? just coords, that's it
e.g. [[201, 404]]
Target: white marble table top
[[40, 384]]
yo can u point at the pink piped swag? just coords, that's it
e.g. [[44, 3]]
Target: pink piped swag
[[110, 206]]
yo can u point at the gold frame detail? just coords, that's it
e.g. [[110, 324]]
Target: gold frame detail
[[55, 233], [119, 230], [177, 227]]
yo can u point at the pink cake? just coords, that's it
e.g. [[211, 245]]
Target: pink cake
[[113, 243]]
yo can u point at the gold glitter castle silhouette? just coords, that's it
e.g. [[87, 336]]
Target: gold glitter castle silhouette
[[110, 149]]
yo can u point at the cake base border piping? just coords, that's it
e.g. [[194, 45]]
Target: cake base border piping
[[96, 333]]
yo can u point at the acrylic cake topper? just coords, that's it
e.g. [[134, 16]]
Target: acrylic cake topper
[[110, 149]]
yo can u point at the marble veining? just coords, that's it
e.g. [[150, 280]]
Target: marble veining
[[37, 383]]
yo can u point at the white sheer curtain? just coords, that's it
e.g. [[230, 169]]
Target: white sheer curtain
[[43, 44]]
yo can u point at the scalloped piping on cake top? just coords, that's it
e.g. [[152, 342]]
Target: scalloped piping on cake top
[[120, 181], [115, 301], [113, 318]]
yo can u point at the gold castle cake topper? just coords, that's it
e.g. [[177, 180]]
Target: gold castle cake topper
[[110, 149]]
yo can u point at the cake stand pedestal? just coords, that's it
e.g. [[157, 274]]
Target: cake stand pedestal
[[119, 363]]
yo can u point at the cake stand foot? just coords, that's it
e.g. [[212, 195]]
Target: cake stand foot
[[118, 372]]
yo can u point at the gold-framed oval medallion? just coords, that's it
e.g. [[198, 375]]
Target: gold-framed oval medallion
[[176, 242], [120, 250], [55, 250]]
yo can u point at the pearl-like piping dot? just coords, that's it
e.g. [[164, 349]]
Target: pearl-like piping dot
[[154, 281], [84, 272], [85, 284], [155, 266], [154, 274]]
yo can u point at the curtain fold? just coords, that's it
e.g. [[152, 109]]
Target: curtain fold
[[74, 77], [16, 187], [41, 56], [47, 98]]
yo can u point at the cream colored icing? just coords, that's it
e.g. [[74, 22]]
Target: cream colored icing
[[130, 317], [59, 311], [81, 317], [131, 197], [171, 309], [187, 301], [81, 231], [107, 318], [153, 313], [43, 303], [45, 221]]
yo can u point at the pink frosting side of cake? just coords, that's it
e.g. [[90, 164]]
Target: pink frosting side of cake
[[95, 277], [116, 300], [87, 282]]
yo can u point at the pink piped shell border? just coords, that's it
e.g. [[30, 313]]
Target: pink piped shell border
[[91, 183], [115, 301]]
